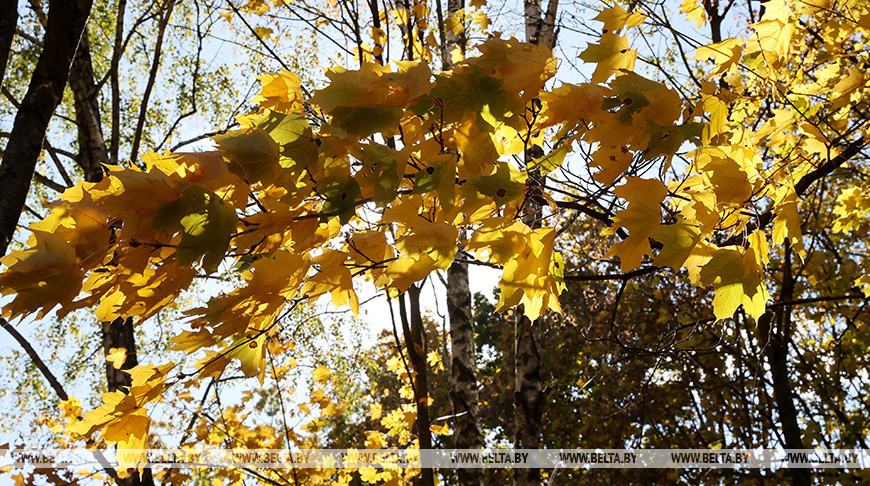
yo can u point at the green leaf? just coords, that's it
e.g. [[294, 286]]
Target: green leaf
[[364, 121], [551, 161], [380, 170], [341, 195], [506, 184], [252, 153], [678, 240], [207, 223]]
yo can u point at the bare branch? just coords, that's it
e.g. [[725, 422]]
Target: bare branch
[[34, 356], [152, 77]]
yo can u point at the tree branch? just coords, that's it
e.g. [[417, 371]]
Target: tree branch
[[611, 276], [34, 356], [152, 77]]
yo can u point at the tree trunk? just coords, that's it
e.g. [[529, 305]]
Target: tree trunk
[[66, 22], [92, 147], [414, 343], [464, 394], [8, 20], [451, 41], [529, 397], [776, 341], [463, 370], [120, 334], [93, 153]]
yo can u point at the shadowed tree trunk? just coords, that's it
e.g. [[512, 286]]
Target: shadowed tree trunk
[[463, 370], [415, 344], [92, 147], [66, 22], [8, 20], [774, 334]]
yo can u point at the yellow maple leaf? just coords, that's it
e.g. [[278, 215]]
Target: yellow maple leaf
[[134, 197], [571, 103], [281, 92], [72, 408], [615, 18], [725, 54], [436, 239], [736, 278], [279, 274], [527, 278], [321, 374], [129, 433], [613, 161], [44, 276], [115, 405], [405, 270], [640, 218], [678, 241], [117, 356], [612, 56], [333, 277], [81, 223], [727, 176], [523, 68], [787, 225], [252, 154], [694, 11], [498, 239]]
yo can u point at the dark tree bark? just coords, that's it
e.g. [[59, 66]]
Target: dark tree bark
[[449, 40], [66, 22], [528, 394], [774, 334], [119, 334], [415, 345], [92, 146], [8, 20]]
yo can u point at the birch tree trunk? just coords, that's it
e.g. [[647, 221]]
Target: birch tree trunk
[[463, 370], [529, 397], [464, 389]]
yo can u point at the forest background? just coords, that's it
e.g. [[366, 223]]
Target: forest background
[[671, 197]]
